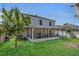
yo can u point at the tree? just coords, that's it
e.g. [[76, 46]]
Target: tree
[[68, 30], [14, 22], [76, 5], [4, 25]]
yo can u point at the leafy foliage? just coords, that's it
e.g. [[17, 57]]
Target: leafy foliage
[[14, 23], [77, 4], [68, 29]]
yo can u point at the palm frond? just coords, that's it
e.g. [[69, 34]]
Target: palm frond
[[27, 20], [10, 13], [4, 11]]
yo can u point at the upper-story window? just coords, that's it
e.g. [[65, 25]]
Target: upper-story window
[[50, 23], [40, 22]]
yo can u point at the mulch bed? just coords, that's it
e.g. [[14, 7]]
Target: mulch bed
[[71, 45]]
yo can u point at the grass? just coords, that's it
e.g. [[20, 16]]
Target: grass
[[45, 48]]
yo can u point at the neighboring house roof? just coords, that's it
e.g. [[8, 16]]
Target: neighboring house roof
[[67, 25], [38, 16], [75, 27], [59, 27], [71, 24]]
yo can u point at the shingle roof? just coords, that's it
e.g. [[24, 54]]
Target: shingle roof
[[65, 27], [59, 27], [68, 24], [38, 16], [72, 26]]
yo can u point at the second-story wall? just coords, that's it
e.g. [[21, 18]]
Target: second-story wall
[[35, 22]]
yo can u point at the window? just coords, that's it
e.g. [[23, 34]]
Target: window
[[50, 23], [40, 22]]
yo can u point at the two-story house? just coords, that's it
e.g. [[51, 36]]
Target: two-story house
[[39, 27]]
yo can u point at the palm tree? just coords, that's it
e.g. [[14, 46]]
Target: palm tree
[[6, 17], [76, 5], [14, 23], [19, 22]]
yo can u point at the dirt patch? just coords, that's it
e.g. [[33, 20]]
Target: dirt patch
[[71, 45]]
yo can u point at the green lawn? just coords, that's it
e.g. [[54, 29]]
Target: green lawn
[[45, 48]]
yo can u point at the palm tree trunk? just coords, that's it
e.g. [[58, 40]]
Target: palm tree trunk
[[16, 42], [0, 38]]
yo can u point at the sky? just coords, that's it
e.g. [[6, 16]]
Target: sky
[[60, 12]]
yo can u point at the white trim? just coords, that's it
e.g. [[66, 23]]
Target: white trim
[[44, 39]]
